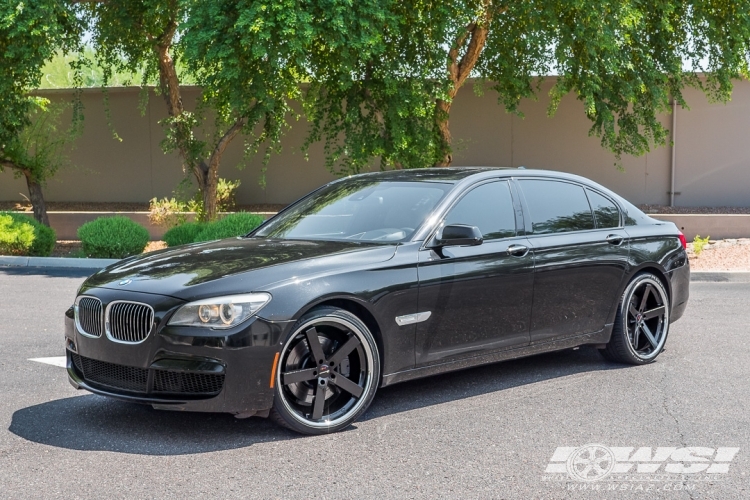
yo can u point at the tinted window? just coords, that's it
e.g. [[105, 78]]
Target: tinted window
[[605, 211], [557, 207], [359, 209], [488, 207]]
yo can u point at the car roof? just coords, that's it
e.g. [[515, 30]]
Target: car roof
[[457, 174]]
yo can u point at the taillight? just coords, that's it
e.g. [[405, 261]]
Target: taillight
[[683, 240]]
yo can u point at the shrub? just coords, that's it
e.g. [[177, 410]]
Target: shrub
[[183, 234], [22, 235], [699, 243], [170, 212], [237, 224], [226, 192], [112, 237]]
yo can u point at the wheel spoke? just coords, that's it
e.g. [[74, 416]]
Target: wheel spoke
[[633, 311], [646, 293], [320, 399], [636, 337], [315, 348], [657, 311], [344, 350], [299, 376], [347, 385], [649, 336]]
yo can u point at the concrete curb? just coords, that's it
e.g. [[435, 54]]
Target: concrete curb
[[721, 276], [58, 262]]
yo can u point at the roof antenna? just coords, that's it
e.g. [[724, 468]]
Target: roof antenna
[[521, 167]]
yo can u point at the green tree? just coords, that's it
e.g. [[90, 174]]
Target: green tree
[[384, 75], [380, 76], [40, 150], [30, 34], [149, 38]]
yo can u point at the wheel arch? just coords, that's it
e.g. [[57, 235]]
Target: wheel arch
[[360, 310], [650, 267]]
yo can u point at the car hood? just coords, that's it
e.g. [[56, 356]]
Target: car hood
[[235, 265]]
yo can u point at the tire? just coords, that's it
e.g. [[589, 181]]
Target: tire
[[345, 373], [641, 323]]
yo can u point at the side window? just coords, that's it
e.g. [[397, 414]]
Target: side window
[[488, 207], [605, 211], [556, 207]]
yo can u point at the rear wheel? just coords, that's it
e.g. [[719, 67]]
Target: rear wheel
[[641, 324], [327, 374]]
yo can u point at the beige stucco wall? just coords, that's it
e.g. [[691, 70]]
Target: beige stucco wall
[[712, 152]]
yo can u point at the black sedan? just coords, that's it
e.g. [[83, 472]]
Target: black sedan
[[376, 279]]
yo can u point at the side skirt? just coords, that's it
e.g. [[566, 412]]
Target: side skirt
[[600, 337]]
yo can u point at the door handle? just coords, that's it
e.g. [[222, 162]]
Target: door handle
[[615, 239], [518, 250]]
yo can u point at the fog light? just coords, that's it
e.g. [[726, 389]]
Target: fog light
[[71, 346]]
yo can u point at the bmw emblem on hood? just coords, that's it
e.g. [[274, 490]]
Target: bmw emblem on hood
[[125, 282]]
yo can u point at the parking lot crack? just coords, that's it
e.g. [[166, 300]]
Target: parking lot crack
[[668, 411]]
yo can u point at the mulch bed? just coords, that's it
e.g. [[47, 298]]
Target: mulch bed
[[663, 209], [70, 206]]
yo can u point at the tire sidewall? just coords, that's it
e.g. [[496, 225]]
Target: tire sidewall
[[334, 314], [635, 282]]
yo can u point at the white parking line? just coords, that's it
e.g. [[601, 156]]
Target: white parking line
[[60, 361]]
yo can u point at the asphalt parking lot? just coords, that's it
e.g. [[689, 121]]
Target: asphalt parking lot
[[490, 432]]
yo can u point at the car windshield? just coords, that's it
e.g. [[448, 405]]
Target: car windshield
[[358, 210]]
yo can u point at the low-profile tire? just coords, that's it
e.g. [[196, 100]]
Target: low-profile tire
[[327, 373], [641, 323]]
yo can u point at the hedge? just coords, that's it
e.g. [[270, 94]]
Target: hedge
[[22, 235], [112, 237], [237, 224]]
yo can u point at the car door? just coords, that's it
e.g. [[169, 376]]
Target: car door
[[478, 297], [581, 256]]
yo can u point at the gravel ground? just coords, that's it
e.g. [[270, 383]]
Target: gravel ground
[[721, 255]]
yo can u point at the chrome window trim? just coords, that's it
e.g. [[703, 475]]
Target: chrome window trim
[[445, 210], [617, 205], [76, 318], [106, 321], [575, 183]]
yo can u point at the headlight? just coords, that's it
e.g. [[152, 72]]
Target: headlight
[[220, 312]]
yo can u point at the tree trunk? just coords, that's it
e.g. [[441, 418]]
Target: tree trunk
[[37, 198], [210, 208], [459, 70], [443, 109], [211, 178], [206, 173]]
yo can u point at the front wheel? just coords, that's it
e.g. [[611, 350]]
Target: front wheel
[[328, 372], [641, 324]]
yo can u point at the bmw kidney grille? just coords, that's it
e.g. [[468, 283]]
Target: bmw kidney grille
[[129, 322]]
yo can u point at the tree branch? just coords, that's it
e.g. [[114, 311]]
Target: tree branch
[[224, 141]]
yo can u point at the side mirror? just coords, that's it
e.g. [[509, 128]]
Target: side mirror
[[457, 235]]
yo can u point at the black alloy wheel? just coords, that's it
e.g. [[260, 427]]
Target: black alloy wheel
[[642, 322], [328, 372]]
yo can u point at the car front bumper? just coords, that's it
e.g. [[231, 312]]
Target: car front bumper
[[179, 368]]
